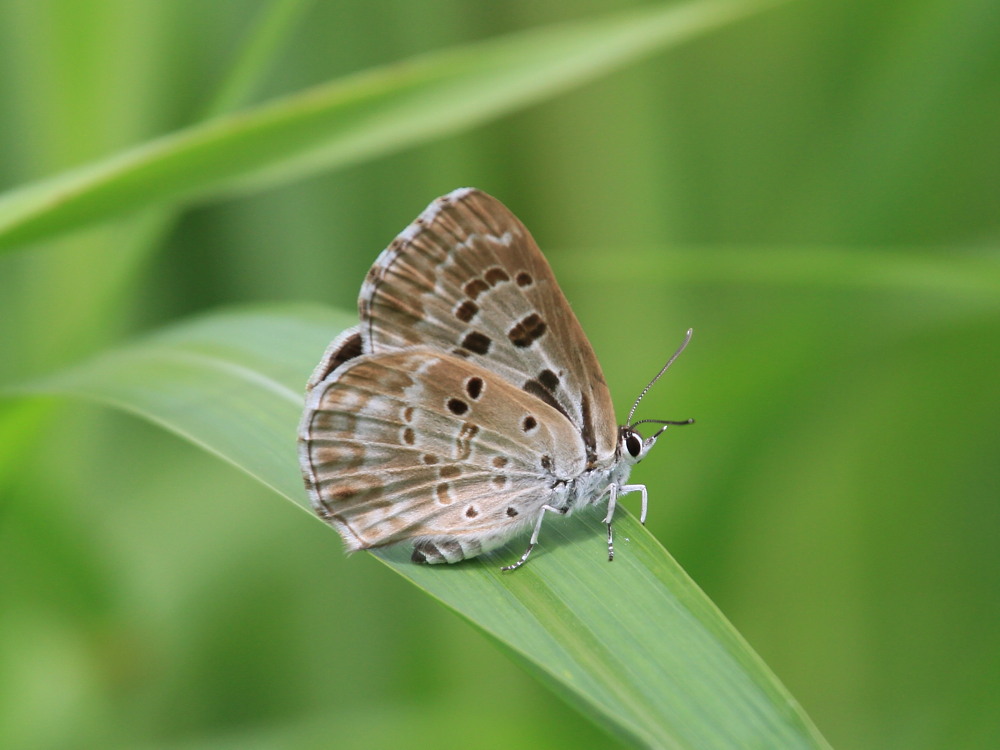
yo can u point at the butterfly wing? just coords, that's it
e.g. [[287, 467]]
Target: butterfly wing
[[468, 279], [419, 444]]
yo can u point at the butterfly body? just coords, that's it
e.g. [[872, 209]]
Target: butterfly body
[[468, 403]]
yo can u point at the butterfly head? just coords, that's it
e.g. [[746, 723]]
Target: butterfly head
[[632, 447]]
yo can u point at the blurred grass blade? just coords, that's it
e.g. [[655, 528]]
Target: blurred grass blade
[[274, 24], [353, 119], [99, 307], [969, 275], [635, 646]]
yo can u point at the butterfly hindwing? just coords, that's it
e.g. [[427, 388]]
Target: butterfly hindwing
[[468, 279], [419, 444]]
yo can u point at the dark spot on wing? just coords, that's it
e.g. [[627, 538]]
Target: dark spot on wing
[[499, 461], [539, 389], [511, 512], [524, 279], [449, 471], [549, 379], [466, 311], [471, 512], [474, 387], [587, 431], [546, 462], [430, 458], [475, 287], [529, 423], [527, 331], [495, 275], [457, 406], [477, 342], [408, 436]]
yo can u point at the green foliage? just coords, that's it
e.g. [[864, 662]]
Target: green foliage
[[810, 188], [637, 646], [350, 120]]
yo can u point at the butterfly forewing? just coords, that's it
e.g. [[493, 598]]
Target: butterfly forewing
[[468, 279], [419, 444]]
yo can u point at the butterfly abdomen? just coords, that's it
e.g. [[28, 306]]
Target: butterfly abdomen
[[453, 549], [445, 550]]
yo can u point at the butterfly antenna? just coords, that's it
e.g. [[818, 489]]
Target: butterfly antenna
[[670, 361], [665, 422]]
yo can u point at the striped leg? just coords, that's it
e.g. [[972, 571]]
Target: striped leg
[[615, 491], [534, 535]]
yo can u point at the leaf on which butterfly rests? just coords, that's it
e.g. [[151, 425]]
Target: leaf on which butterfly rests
[[634, 645]]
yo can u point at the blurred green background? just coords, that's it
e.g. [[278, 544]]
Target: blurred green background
[[814, 189]]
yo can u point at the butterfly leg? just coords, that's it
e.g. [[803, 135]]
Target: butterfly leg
[[534, 535], [614, 492], [612, 504], [627, 488]]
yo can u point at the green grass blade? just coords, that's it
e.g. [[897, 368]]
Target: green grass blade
[[354, 119], [970, 275], [635, 645], [273, 26]]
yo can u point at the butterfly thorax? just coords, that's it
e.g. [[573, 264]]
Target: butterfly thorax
[[592, 486], [589, 488]]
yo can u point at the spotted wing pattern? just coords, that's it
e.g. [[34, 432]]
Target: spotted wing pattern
[[468, 279], [419, 444]]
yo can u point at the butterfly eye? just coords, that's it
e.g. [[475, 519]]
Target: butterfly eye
[[633, 444]]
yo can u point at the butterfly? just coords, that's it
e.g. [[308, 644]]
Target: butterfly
[[468, 403]]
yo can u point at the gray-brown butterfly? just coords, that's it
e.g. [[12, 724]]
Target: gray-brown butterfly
[[468, 403]]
